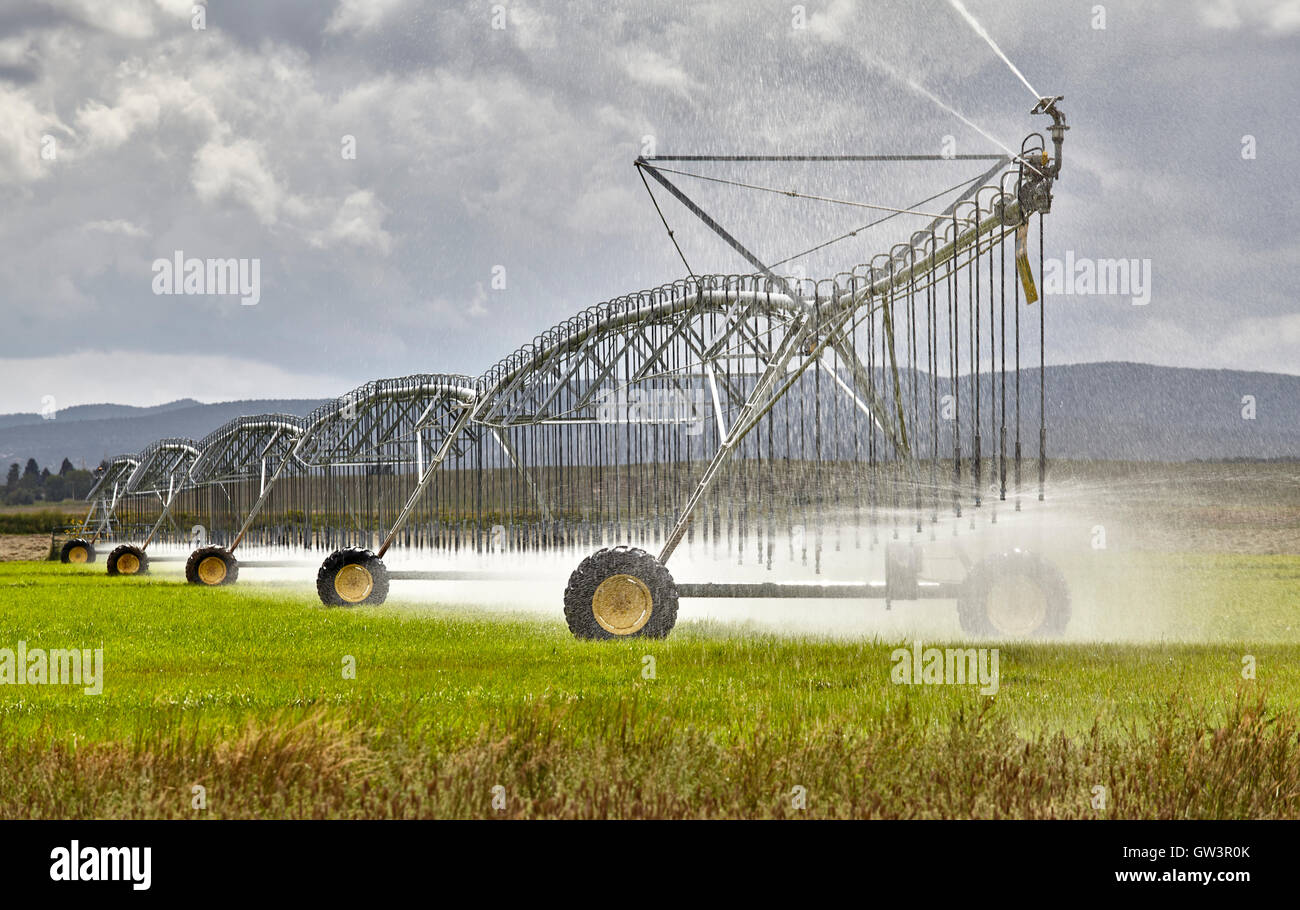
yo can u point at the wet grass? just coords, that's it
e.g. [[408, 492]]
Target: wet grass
[[243, 691]]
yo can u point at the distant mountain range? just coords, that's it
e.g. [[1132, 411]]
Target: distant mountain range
[[97, 412], [86, 434], [1140, 412], [1125, 411]]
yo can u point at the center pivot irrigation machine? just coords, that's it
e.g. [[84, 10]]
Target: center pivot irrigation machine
[[757, 419]]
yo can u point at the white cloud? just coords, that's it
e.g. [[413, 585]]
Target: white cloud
[[361, 16], [1262, 343], [832, 24], [121, 18], [478, 303], [1278, 17], [531, 29], [22, 126], [358, 222], [17, 50], [103, 127], [117, 226], [237, 171], [179, 9], [652, 68]]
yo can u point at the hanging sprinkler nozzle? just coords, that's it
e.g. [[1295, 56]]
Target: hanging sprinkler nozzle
[[1038, 169]]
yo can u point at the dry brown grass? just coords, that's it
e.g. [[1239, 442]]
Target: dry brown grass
[[1248, 767], [24, 546]]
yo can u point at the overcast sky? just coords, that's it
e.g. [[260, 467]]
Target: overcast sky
[[127, 134]]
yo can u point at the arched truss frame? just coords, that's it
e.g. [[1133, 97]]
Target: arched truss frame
[[245, 449], [419, 420], [105, 493], [387, 422], [163, 471]]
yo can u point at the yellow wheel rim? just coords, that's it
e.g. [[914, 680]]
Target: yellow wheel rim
[[1017, 607], [128, 564], [78, 554], [354, 583], [622, 604], [212, 570]]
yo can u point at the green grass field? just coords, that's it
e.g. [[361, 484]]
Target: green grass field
[[243, 692]]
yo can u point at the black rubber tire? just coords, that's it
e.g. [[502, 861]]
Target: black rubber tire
[[77, 542], [620, 561], [202, 553], [973, 602], [325, 589], [120, 551]]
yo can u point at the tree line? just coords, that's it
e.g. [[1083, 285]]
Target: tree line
[[29, 484]]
